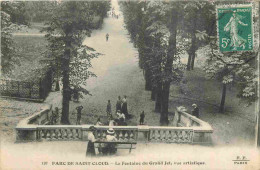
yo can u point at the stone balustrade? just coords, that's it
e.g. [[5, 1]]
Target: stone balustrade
[[189, 130]]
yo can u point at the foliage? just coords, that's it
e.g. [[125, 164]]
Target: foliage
[[16, 10], [8, 56], [233, 67], [70, 23]]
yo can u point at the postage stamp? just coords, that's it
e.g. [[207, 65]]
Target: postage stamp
[[235, 28]]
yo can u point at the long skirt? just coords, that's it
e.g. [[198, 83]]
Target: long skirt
[[91, 149], [124, 109]]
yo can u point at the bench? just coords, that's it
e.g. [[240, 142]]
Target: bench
[[126, 136], [118, 145]]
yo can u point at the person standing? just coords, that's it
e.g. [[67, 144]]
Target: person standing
[[79, 109], [142, 118], [91, 140], [195, 111], [107, 36], [108, 108], [118, 104], [124, 106]]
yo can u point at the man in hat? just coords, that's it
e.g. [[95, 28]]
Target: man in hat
[[195, 111]]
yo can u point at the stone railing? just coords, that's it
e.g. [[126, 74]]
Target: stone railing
[[190, 130], [202, 130]]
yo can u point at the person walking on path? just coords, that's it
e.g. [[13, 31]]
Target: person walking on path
[[124, 106], [108, 108], [79, 109], [118, 103], [91, 140], [107, 36], [142, 118], [195, 111]]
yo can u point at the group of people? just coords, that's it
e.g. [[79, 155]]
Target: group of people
[[109, 147], [113, 13], [121, 110]]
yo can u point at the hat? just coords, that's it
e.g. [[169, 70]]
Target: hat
[[110, 131], [194, 105], [92, 128]]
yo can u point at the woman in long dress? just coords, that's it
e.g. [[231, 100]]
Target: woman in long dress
[[91, 140], [124, 107], [232, 27]]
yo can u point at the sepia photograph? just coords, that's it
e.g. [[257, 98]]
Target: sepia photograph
[[129, 84]]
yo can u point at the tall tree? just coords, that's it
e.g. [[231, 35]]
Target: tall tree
[[70, 23]]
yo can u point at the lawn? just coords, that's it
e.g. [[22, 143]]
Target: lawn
[[235, 126]]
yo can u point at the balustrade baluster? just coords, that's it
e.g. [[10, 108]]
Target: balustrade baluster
[[59, 132], [77, 133], [152, 135], [120, 136], [70, 134], [126, 136], [162, 135], [48, 136], [180, 135], [53, 134], [169, 137], [176, 136], [65, 134], [131, 136], [157, 135]]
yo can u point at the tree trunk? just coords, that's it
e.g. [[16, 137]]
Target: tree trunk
[[168, 67], [153, 94], [223, 98], [57, 88], [192, 61], [258, 122], [148, 83], [158, 102], [65, 81], [193, 49], [189, 61], [165, 103]]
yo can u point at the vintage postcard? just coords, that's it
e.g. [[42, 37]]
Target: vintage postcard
[[129, 84]]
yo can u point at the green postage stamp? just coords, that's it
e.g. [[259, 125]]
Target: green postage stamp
[[235, 28]]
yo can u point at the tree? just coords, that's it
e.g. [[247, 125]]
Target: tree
[[70, 23], [233, 67], [8, 56], [198, 22], [155, 38]]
